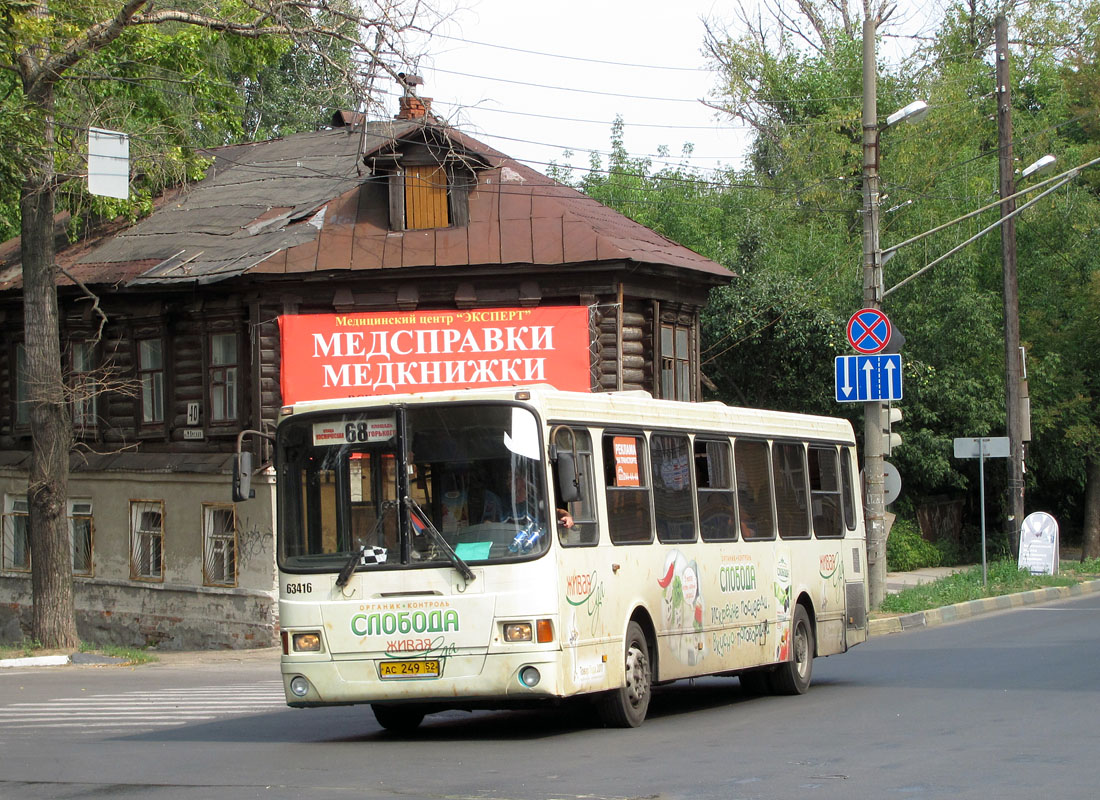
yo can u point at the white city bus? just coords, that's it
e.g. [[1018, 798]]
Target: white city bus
[[508, 547]]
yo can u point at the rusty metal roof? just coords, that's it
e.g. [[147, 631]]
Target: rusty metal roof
[[305, 204]]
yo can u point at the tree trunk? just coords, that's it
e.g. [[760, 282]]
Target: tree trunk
[[53, 619], [1091, 544]]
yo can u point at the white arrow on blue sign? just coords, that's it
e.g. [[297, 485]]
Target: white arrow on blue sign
[[861, 379]]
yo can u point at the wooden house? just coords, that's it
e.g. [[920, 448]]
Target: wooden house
[[405, 215]]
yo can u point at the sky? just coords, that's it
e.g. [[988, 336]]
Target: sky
[[532, 79]]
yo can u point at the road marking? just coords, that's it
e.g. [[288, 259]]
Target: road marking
[[171, 707]]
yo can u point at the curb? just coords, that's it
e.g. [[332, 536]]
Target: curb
[[972, 608], [80, 659], [35, 661]]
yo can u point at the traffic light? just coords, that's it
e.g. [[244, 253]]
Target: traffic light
[[891, 416]]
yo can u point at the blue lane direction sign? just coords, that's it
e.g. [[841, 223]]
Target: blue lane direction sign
[[862, 379]]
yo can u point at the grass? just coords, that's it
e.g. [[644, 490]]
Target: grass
[[1003, 578], [29, 648]]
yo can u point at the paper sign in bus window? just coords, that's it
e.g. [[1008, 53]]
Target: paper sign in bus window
[[626, 461]]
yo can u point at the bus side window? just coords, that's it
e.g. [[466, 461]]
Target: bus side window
[[825, 492], [714, 485], [789, 479], [755, 512], [671, 469], [846, 488], [585, 530], [627, 488]]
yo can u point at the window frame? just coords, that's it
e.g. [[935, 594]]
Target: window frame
[[710, 490], [230, 382], [158, 382], [586, 530], [800, 496], [675, 362], [21, 406], [72, 518], [824, 494], [612, 490], [138, 507], [8, 530], [210, 536], [84, 385], [663, 496], [742, 487]]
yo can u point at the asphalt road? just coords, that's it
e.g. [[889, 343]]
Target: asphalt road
[[1000, 706]]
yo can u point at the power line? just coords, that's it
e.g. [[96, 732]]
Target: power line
[[571, 58]]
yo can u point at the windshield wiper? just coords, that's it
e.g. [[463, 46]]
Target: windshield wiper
[[358, 555], [426, 526]]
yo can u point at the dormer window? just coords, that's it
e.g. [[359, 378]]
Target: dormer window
[[429, 183], [426, 197]]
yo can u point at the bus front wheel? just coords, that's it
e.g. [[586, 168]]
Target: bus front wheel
[[793, 676], [626, 706], [397, 719]]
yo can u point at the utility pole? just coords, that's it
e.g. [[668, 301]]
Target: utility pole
[[1013, 409], [874, 482]]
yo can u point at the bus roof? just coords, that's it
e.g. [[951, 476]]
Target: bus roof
[[614, 409]]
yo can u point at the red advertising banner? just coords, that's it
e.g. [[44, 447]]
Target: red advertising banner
[[328, 356]]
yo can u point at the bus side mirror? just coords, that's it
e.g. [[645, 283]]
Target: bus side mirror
[[569, 482], [242, 476]]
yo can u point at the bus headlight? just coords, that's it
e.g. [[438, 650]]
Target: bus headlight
[[529, 677], [307, 642], [517, 632], [299, 686]]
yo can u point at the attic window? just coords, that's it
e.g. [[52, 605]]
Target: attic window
[[426, 203], [427, 188]]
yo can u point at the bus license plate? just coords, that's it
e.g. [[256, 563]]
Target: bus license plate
[[396, 670]]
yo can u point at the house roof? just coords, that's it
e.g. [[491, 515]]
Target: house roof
[[295, 205]]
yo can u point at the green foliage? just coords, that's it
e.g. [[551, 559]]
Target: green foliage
[[172, 88], [907, 550]]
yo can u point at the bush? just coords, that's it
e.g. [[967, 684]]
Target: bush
[[907, 550]]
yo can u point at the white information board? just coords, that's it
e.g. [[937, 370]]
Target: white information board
[[1039, 544]]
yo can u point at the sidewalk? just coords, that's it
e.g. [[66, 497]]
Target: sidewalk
[[896, 581]]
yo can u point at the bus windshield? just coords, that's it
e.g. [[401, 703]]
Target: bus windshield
[[474, 472]]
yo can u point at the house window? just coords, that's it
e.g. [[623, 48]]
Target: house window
[[219, 534], [16, 549], [675, 362], [151, 376], [84, 385], [147, 539], [22, 404], [223, 377], [80, 532], [426, 197]]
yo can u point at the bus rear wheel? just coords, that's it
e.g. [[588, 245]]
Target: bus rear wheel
[[397, 719], [793, 677], [626, 706]]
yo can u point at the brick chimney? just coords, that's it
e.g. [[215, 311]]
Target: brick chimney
[[412, 107]]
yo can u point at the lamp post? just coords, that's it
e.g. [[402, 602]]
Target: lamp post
[[873, 475]]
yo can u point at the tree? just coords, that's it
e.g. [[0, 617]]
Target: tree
[[44, 43]]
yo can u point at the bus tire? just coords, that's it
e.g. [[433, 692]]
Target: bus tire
[[397, 719], [626, 706], [793, 676]]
